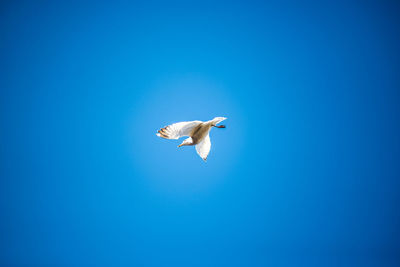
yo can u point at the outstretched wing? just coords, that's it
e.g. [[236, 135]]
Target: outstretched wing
[[177, 130], [203, 148]]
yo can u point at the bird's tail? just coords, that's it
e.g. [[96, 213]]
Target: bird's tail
[[218, 119]]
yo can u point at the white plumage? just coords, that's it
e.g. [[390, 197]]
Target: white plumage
[[197, 132]]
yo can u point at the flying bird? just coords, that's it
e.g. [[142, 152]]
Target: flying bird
[[198, 132]]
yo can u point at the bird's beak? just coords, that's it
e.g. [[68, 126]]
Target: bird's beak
[[221, 126], [180, 145]]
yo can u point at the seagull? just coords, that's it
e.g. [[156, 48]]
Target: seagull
[[198, 132]]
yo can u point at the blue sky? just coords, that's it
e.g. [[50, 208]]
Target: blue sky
[[305, 174]]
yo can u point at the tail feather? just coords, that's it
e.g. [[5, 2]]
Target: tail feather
[[218, 119]]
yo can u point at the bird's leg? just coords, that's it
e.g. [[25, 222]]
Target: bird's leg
[[220, 126]]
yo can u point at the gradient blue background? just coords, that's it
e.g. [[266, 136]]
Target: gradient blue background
[[306, 173]]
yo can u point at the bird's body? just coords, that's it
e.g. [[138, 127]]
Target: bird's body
[[200, 132], [197, 131]]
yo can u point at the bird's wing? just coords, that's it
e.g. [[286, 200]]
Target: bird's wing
[[177, 130], [203, 148]]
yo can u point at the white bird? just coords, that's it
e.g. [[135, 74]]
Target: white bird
[[198, 132]]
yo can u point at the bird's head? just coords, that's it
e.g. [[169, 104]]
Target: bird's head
[[186, 142]]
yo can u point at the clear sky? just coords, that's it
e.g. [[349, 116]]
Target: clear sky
[[305, 174]]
